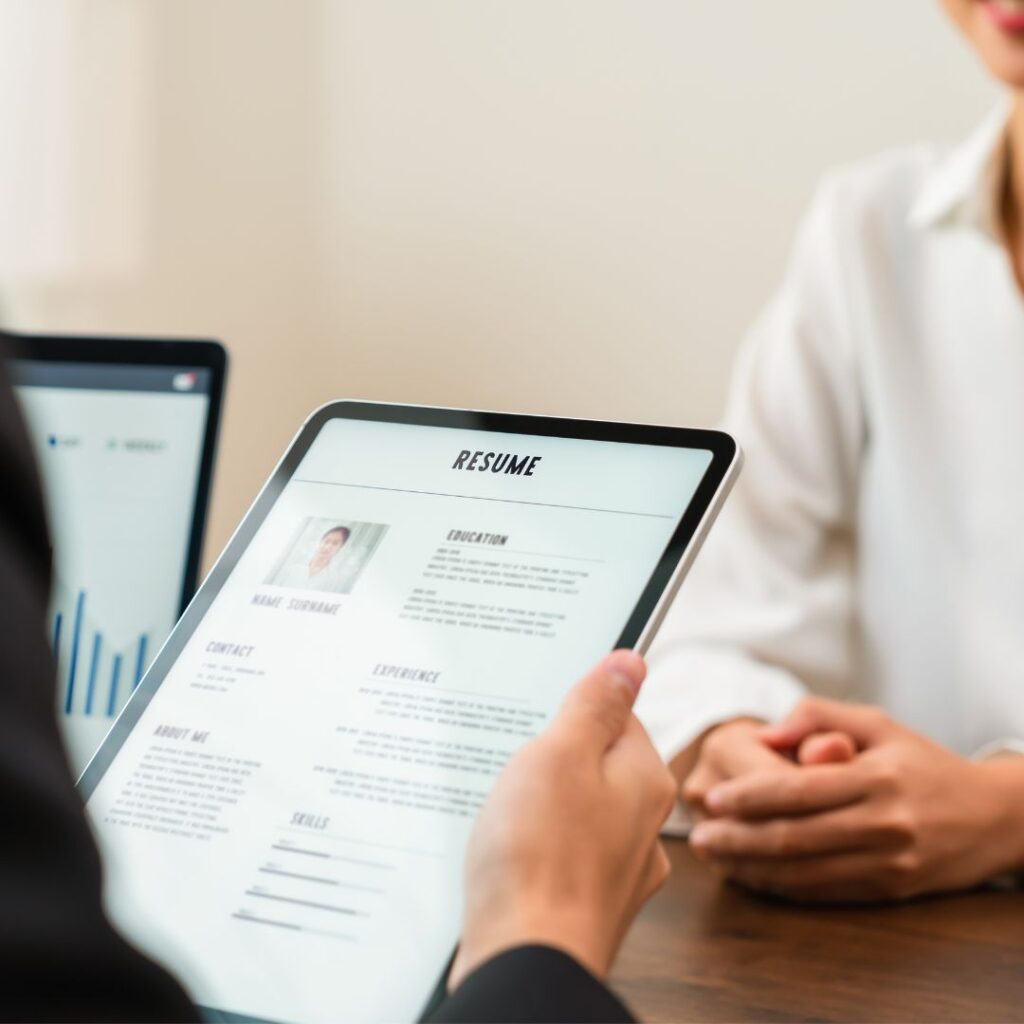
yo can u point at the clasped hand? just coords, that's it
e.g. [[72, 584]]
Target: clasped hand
[[840, 803]]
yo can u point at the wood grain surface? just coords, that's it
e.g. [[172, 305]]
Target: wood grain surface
[[703, 950]]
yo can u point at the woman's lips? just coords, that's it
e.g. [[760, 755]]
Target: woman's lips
[[1007, 14]]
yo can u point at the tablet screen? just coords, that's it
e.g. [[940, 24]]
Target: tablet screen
[[284, 825]]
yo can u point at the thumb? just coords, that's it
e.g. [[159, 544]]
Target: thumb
[[815, 714], [598, 707], [826, 748]]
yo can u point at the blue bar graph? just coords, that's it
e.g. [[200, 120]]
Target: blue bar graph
[[140, 662], [94, 702], [115, 674], [90, 690], [75, 637]]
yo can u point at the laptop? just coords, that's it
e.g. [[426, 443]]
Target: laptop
[[124, 432]]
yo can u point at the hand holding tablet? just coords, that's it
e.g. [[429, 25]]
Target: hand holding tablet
[[595, 758], [285, 803]]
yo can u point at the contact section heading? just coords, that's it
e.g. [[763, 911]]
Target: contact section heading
[[497, 462]]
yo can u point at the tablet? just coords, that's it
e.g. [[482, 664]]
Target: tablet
[[284, 803]]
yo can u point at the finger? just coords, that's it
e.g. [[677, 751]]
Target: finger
[[655, 873], [784, 793], [730, 755], [826, 748], [861, 723], [747, 755], [696, 786], [597, 709], [782, 839], [635, 768], [656, 870], [740, 756], [862, 877]]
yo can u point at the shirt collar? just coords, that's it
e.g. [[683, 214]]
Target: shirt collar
[[965, 186]]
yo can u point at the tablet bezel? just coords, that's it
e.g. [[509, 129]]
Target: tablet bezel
[[726, 459], [186, 353]]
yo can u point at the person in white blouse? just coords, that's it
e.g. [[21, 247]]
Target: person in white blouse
[[872, 554]]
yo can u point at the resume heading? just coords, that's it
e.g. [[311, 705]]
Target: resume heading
[[497, 462]]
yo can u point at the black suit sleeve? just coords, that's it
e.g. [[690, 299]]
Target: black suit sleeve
[[59, 957], [531, 984]]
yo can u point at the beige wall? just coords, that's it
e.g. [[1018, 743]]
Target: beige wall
[[568, 206]]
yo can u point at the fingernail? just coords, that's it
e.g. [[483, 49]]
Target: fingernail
[[628, 667], [701, 836], [715, 799]]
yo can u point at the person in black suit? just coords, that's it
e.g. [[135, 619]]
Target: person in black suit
[[564, 853]]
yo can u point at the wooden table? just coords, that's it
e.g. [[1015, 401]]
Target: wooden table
[[706, 951]]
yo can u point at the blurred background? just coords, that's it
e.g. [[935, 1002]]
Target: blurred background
[[563, 206]]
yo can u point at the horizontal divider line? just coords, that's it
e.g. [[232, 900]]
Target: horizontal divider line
[[498, 550], [295, 874], [304, 903], [363, 842], [266, 920], [387, 681], [296, 849], [479, 497]]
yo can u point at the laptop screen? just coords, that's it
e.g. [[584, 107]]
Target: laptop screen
[[120, 449]]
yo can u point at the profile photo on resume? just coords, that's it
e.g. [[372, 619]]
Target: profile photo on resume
[[326, 555]]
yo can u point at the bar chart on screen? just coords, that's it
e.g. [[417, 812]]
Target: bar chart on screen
[[98, 667], [119, 470]]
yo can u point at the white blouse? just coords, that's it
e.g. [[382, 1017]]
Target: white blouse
[[873, 548]]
